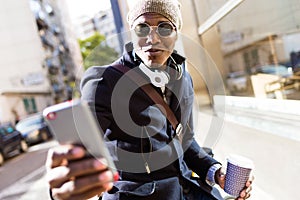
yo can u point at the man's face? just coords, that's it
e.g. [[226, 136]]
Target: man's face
[[156, 47]]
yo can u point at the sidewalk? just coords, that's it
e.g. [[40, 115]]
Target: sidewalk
[[276, 157]]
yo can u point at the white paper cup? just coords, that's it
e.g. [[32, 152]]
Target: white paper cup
[[237, 173]]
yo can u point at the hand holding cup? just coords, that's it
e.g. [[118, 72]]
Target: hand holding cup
[[237, 174]]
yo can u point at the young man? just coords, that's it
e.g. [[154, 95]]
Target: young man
[[152, 160]]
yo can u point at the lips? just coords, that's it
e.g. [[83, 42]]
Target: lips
[[154, 52]]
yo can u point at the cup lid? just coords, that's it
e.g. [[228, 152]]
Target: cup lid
[[240, 161]]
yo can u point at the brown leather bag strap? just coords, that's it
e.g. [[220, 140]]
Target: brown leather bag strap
[[154, 95]]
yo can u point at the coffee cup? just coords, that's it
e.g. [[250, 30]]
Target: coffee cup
[[237, 173]]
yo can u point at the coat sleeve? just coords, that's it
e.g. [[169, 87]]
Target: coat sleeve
[[96, 92], [194, 156]]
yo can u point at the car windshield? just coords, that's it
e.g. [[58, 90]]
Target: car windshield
[[29, 122], [9, 129], [6, 129]]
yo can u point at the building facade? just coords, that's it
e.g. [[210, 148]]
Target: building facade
[[37, 63], [269, 36], [103, 23]]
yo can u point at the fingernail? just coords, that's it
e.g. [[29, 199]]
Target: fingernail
[[116, 176], [248, 189], [77, 151], [105, 176], [102, 177], [243, 194]]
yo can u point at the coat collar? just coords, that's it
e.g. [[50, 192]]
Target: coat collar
[[131, 60]]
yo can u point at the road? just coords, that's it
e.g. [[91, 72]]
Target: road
[[22, 176]]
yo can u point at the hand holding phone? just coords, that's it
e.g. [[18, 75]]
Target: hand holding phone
[[73, 122]]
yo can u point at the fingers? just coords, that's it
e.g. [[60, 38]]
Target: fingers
[[72, 175], [87, 166], [220, 177], [67, 191], [92, 192], [249, 182], [60, 174], [57, 176], [60, 155], [245, 193], [84, 187], [246, 197], [88, 182]]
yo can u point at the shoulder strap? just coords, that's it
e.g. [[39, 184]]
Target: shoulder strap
[[154, 95]]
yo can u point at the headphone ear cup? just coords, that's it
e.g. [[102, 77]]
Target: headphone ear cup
[[175, 71], [179, 71], [158, 78]]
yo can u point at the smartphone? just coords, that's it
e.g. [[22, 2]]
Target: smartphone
[[73, 122]]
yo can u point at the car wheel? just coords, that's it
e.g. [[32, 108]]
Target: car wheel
[[23, 146], [44, 136], [1, 158]]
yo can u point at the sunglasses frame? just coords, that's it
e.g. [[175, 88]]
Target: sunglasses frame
[[151, 28]]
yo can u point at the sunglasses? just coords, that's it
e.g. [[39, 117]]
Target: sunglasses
[[164, 29]]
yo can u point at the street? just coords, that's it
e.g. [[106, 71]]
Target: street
[[22, 176], [276, 161]]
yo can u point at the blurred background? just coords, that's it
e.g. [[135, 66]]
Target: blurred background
[[244, 57]]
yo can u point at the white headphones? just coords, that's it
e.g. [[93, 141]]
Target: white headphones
[[158, 78]]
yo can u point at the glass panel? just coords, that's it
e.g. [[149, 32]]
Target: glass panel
[[262, 35], [9, 129]]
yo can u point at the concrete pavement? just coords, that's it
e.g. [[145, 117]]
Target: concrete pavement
[[269, 138]]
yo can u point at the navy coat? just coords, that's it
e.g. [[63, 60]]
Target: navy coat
[[138, 133]]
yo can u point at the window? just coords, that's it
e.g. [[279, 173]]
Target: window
[[30, 105]]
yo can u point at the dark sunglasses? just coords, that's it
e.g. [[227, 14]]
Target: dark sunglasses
[[164, 29]]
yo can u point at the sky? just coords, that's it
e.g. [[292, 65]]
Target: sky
[[79, 8]]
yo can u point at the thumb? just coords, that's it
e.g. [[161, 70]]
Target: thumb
[[220, 177]]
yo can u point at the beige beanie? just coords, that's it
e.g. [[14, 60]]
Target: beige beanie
[[167, 8]]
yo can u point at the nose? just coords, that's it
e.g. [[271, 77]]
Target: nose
[[153, 37]]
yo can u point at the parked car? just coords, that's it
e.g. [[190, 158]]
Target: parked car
[[34, 129], [237, 81], [279, 70], [11, 141]]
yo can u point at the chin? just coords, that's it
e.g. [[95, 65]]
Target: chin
[[154, 64], [152, 61]]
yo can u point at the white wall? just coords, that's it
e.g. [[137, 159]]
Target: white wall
[[21, 59], [21, 51]]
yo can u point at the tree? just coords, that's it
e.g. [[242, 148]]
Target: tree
[[95, 51]]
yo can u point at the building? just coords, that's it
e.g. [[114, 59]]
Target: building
[[267, 37], [219, 37], [103, 23], [38, 64]]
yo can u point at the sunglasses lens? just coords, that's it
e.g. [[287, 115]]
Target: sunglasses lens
[[165, 29], [142, 30]]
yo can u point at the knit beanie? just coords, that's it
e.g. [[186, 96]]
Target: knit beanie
[[170, 9]]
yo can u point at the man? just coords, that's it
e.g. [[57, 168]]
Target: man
[[152, 160]]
